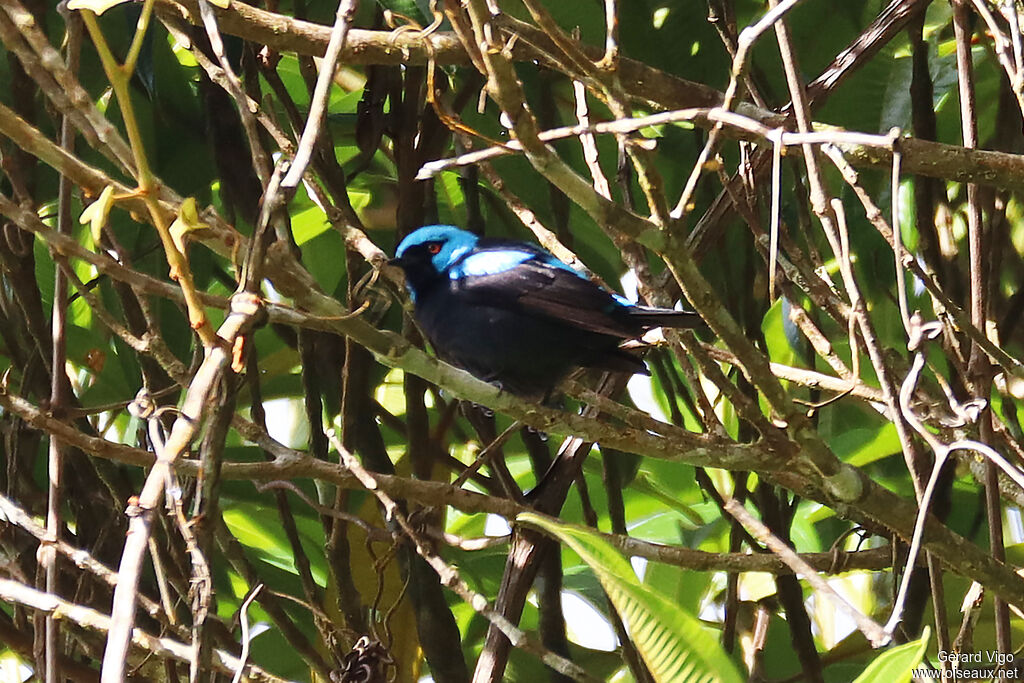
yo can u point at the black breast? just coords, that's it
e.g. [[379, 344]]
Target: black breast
[[525, 354]]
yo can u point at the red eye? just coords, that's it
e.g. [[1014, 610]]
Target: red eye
[[434, 247]]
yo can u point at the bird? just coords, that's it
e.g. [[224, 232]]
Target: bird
[[512, 314]]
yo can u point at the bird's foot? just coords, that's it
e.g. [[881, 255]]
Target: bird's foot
[[478, 409], [543, 436]]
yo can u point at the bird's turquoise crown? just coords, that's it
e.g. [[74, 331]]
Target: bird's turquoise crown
[[453, 244]]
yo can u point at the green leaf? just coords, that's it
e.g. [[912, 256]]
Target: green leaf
[[896, 665], [780, 346], [862, 446], [674, 644], [259, 528]]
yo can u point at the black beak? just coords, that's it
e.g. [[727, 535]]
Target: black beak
[[400, 262]]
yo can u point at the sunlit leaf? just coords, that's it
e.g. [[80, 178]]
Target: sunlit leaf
[[865, 446], [897, 664], [308, 223], [674, 644], [259, 528]]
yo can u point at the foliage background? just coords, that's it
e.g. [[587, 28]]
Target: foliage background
[[297, 521]]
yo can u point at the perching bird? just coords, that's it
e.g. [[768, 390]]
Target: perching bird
[[512, 314]]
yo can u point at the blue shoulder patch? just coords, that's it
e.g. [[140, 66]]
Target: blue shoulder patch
[[489, 262]]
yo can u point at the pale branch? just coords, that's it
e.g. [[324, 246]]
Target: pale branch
[[66, 246], [394, 351], [233, 86], [450, 576], [943, 302], [795, 470], [737, 122], [801, 446], [321, 93]]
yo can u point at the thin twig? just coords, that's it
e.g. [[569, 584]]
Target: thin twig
[[80, 557], [871, 629], [773, 248], [261, 163], [979, 372], [246, 639], [588, 142], [59, 82], [897, 234], [119, 75]]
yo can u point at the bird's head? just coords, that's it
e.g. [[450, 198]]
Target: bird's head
[[428, 252]]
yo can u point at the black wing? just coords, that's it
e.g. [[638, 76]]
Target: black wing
[[536, 287]]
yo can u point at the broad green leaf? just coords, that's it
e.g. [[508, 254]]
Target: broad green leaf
[[896, 665], [686, 588], [674, 644], [259, 528], [451, 197], [860, 447], [309, 223]]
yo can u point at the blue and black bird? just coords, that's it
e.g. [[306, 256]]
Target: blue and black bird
[[512, 314]]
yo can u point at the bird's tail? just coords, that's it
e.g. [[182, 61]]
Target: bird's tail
[[665, 317]]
